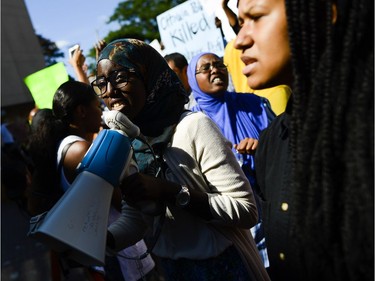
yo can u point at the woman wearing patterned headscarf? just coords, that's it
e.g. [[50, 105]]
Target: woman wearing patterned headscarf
[[204, 234]]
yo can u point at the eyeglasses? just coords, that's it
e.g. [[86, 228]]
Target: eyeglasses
[[118, 79], [207, 67]]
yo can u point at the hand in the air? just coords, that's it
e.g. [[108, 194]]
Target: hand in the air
[[78, 59]]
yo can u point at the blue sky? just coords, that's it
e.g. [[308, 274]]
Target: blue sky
[[68, 22]]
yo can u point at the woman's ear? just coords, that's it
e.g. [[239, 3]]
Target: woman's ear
[[334, 13]]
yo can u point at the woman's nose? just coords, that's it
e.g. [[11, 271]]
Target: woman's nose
[[244, 39], [213, 68], [110, 89]]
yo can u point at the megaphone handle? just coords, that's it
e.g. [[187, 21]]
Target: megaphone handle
[[148, 207]]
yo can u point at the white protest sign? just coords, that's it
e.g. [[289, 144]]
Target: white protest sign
[[189, 30]]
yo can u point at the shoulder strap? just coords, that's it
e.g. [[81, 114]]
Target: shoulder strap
[[63, 153]]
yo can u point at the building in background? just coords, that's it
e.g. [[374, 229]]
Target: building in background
[[21, 55]]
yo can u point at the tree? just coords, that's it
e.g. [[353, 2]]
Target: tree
[[50, 51], [137, 19]]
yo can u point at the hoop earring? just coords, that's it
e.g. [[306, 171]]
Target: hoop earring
[[73, 126]]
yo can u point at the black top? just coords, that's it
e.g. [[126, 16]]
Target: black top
[[272, 162]]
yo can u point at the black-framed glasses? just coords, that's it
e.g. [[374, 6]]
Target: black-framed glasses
[[207, 67], [118, 79]]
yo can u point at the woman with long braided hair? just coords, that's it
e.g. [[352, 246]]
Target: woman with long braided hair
[[315, 165]]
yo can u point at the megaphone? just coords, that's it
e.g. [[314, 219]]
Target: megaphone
[[117, 120], [76, 226]]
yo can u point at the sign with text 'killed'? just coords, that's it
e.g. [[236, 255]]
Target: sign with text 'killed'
[[189, 29]]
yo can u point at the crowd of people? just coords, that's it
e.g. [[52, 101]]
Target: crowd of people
[[271, 181]]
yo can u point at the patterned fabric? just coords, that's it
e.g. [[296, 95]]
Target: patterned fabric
[[166, 95], [145, 157], [226, 267]]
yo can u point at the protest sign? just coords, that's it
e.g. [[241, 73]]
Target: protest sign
[[44, 83], [189, 29]]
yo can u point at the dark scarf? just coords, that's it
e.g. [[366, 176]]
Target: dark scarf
[[165, 93]]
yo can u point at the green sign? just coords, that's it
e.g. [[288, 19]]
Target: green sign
[[44, 83]]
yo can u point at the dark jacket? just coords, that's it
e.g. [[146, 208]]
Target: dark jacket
[[272, 162]]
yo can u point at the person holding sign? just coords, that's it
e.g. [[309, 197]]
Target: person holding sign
[[207, 214]]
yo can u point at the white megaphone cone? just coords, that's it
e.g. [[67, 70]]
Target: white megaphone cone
[[77, 224]]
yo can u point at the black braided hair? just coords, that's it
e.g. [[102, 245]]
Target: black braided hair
[[332, 137]]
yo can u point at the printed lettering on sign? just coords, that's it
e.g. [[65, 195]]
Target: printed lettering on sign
[[189, 29]]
